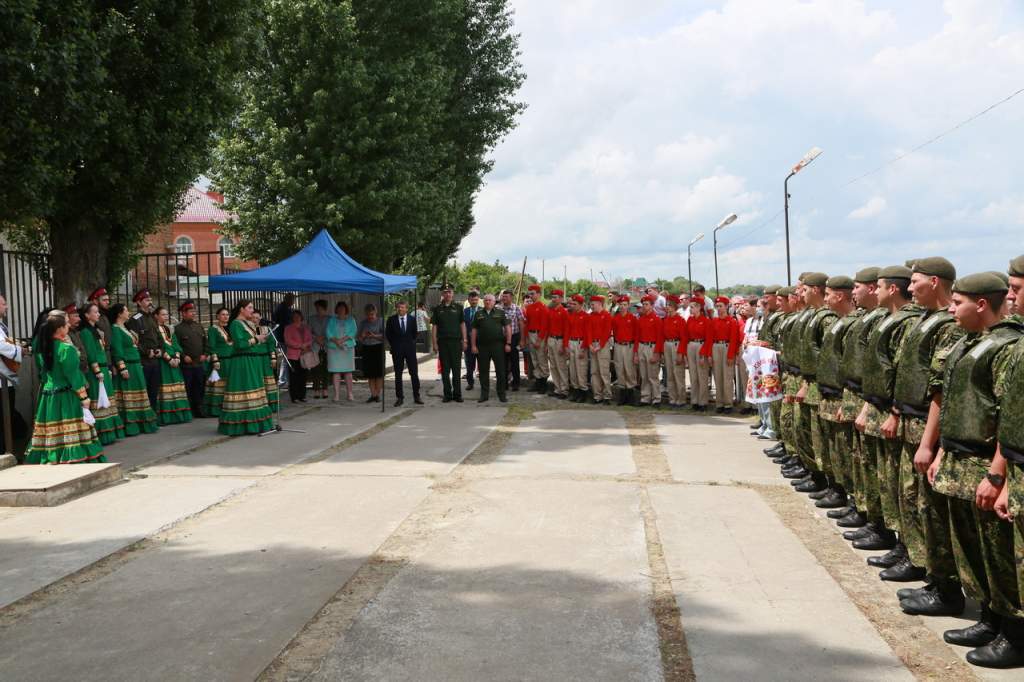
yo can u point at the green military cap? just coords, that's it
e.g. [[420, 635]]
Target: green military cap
[[980, 284], [1016, 267], [866, 276], [815, 279], [839, 282], [784, 291], [935, 266], [910, 263], [801, 276], [895, 272], [1003, 276], [772, 289]]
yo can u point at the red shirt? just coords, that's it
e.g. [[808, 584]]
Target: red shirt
[[649, 330], [697, 328], [557, 321], [624, 328], [599, 328], [536, 315], [674, 329], [577, 328], [722, 329]]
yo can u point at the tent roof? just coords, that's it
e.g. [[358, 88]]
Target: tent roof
[[320, 267]]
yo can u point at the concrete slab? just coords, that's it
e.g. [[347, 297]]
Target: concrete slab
[[558, 593], [751, 594], [220, 601], [254, 456], [568, 443], [40, 546], [7, 461], [415, 446], [718, 450], [47, 486]]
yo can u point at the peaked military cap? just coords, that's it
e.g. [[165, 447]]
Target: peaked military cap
[[866, 276], [895, 272], [935, 266], [980, 284], [839, 282], [815, 279], [1016, 267]]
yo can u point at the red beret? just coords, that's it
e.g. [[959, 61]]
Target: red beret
[[722, 299], [187, 305], [557, 292], [578, 298], [71, 308], [624, 298], [533, 287], [648, 299], [597, 299], [698, 299], [140, 294], [97, 294], [673, 299]]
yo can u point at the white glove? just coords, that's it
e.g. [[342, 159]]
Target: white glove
[[102, 400], [87, 416]]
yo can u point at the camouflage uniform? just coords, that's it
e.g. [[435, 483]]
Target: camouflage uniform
[[1011, 440], [790, 382], [830, 411], [803, 447], [814, 334], [770, 335]]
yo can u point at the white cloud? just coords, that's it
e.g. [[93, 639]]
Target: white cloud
[[873, 207]]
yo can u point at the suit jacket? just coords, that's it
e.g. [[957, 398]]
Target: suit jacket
[[399, 342]]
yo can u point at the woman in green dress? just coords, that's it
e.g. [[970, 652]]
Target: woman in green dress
[[108, 420], [172, 405], [129, 382], [220, 357], [61, 434], [269, 364], [245, 408]]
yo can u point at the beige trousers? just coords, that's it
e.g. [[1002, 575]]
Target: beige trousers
[[698, 374], [577, 365], [675, 369], [650, 379], [601, 372], [558, 366], [724, 389], [538, 356], [625, 370]]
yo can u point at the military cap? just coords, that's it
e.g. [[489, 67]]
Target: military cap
[[866, 276], [557, 292], [1016, 267], [449, 287], [699, 300], [533, 287], [1003, 276], [97, 294], [909, 263], [71, 308], [597, 298], [140, 295], [772, 289], [894, 272], [724, 300], [839, 282], [673, 299], [624, 298], [935, 266], [578, 298], [979, 284], [800, 277], [784, 291], [814, 279], [649, 298], [187, 305]]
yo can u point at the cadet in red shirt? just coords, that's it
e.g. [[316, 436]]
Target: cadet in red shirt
[[721, 345], [575, 342], [536, 314], [624, 333], [650, 341], [599, 332], [558, 356], [674, 331], [697, 330]]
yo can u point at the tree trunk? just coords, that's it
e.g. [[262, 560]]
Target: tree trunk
[[78, 261]]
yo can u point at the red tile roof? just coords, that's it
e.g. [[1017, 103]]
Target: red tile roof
[[201, 207]]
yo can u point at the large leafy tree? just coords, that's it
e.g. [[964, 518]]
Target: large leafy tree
[[107, 112], [373, 119]]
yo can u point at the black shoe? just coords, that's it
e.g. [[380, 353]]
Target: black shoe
[[483, 399], [858, 534], [834, 500], [719, 410], [1000, 653], [911, 592], [840, 512], [781, 459], [371, 399], [502, 398], [875, 541], [800, 481], [818, 494], [890, 558], [726, 410], [810, 486], [795, 473], [398, 402], [515, 387], [775, 450], [755, 427], [852, 520], [933, 602], [417, 400], [903, 572], [446, 399], [458, 398], [977, 635]]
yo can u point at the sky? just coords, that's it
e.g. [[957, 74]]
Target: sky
[[649, 121]]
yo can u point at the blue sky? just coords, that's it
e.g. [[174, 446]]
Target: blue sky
[[649, 121]]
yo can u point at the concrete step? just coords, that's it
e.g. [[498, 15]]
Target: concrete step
[[42, 485]]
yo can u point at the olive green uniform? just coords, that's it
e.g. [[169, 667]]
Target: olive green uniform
[[818, 324], [448, 324], [103, 324], [790, 416], [151, 348], [770, 335], [195, 345], [837, 427], [1011, 441], [490, 343]]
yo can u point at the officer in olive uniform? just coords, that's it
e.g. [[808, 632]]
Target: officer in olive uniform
[[967, 472], [448, 332], [195, 350], [492, 339]]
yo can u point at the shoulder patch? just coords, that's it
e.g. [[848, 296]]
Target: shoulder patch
[[137, 316]]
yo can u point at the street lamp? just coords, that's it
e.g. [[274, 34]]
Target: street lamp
[[726, 221], [808, 157], [689, 267]]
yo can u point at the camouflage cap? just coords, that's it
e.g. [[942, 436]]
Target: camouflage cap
[[935, 266], [772, 289], [839, 282], [815, 279], [979, 284], [866, 276], [1016, 267], [894, 272], [1003, 276]]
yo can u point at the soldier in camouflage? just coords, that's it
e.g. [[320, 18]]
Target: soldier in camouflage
[[780, 413]]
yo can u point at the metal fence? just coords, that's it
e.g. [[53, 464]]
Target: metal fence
[[26, 290]]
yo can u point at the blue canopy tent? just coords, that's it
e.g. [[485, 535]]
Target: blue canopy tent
[[321, 267]]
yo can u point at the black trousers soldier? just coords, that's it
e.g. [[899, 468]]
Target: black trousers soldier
[[448, 329], [491, 341], [195, 387], [492, 351]]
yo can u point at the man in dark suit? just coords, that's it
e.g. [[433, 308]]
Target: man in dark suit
[[400, 331], [468, 315]]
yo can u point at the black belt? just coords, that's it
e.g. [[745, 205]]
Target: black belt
[[575, 338], [958, 447], [648, 343], [912, 410], [1011, 454], [829, 392], [55, 391], [809, 377], [554, 337], [854, 386], [883, 404], [624, 343], [696, 340]]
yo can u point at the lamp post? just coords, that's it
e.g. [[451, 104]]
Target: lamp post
[[726, 221], [689, 267], [808, 157]]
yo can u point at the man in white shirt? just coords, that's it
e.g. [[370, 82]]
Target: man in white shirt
[[659, 302], [11, 352]]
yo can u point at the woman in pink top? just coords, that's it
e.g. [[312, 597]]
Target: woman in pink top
[[298, 338]]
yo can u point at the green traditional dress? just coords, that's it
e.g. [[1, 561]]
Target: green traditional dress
[[172, 405], [108, 419], [220, 360], [270, 372], [245, 408], [132, 400], [60, 435]]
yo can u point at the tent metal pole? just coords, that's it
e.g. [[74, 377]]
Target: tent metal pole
[[383, 374]]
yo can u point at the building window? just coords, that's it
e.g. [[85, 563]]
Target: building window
[[227, 244], [183, 244]]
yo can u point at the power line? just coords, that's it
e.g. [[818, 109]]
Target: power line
[[754, 229]]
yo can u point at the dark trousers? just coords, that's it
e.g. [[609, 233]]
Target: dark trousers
[[151, 371], [195, 387], [512, 361], [18, 426], [297, 383], [492, 352], [470, 367], [449, 352], [400, 360]]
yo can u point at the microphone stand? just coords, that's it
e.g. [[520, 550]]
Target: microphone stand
[[277, 428]]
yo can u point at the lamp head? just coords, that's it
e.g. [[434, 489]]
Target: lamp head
[[727, 220], [808, 157], [697, 239]]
